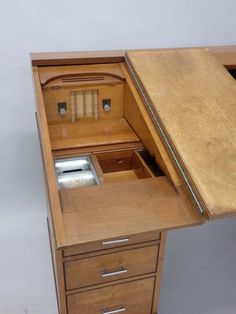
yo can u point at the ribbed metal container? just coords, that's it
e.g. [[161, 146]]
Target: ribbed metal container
[[75, 172]]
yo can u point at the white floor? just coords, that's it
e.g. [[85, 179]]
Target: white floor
[[200, 267]]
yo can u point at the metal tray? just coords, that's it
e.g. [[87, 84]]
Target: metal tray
[[75, 172]]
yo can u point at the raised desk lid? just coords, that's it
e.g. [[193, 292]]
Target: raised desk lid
[[192, 100]]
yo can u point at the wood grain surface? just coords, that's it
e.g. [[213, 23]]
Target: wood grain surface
[[194, 99], [91, 133], [119, 209], [89, 271], [135, 297]]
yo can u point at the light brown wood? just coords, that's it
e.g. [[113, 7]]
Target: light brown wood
[[48, 74], [91, 133], [143, 126], [116, 160], [72, 58], [54, 202], [226, 55], [97, 149], [98, 246], [144, 205], [108, 284], [89, 271], [58, 264], [159, 272], [120, 176], [138, 123], [53, 96], [83, 81], [97, 167], [112, 250], [140, 168], [125, 207], [115, 166], [193, 97], [57, 269], [135, 296]]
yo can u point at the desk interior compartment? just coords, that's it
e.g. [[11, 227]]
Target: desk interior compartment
[[95, 111]]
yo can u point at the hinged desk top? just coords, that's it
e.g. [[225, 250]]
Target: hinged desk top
[[194, 99]]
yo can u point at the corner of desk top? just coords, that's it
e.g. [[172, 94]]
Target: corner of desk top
[[225, 54], [76, 58]]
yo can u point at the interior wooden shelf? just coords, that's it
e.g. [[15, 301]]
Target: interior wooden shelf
[[120, 176], [135, 206], [85, 133]]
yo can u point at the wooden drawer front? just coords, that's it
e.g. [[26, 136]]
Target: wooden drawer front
[[129, 298], [108, 267], [111, 243]]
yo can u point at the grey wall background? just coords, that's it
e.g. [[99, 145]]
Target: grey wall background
[[200, 269]]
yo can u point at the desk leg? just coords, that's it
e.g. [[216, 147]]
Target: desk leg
[[159, 272]]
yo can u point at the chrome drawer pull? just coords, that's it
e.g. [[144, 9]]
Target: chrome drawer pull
[[115, 241], [123, 309], [122, 270]]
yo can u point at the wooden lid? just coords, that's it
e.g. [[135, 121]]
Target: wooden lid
[[193, 100]]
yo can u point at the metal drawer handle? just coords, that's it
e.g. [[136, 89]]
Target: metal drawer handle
[[115, 241], [121, 309], [122, 270]]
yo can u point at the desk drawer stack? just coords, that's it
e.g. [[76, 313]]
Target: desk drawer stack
[[116, 279]]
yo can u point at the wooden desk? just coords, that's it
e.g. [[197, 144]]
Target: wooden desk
[[160, 134]]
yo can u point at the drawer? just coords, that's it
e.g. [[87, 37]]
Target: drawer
[[104, 268], [128, 298], [111, 243]]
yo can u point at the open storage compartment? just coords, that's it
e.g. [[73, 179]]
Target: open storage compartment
[[128, 142], [95, 112]]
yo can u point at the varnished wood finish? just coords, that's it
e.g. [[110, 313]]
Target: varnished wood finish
[[120, 176], [72, 58], [160, 266], [91, 133], [97, 167], [116, 161], [89, 271], [97, 149], [109, 250], [144, 205], [54, 96], [57, 269], [98, 246], [193, 98], [142, 124], [55, 208], [125, 207], [47, 74], [225, 54], [135, 296], [140, 168]]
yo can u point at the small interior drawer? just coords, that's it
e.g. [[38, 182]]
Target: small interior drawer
[[108, 267], [129, 298], [110, 243]]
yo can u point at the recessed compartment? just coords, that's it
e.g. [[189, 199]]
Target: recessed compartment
[[125, 166], [75, 172], [139, 190]]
